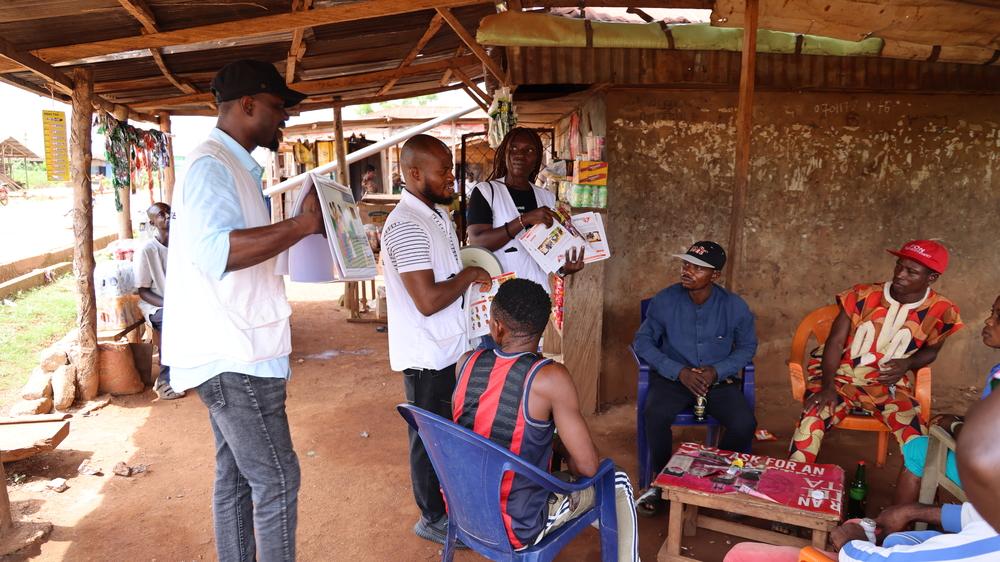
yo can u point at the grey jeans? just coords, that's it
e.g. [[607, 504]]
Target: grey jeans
[[256, 469]]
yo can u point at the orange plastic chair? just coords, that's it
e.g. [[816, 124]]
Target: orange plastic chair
[[812, 554], [817, 324]]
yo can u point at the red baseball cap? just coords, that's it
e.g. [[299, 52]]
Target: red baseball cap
[[927, 253]]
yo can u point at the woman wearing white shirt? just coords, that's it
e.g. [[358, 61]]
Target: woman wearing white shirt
[[508, 202]]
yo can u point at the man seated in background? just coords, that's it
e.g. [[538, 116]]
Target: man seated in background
[[150, 267], [518, 399], [696, 337]]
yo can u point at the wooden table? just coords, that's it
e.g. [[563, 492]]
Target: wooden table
[[685, 519], [799, 494]]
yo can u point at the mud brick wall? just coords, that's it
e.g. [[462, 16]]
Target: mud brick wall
[[836, 179]]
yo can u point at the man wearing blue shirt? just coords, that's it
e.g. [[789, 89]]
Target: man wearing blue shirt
[[696, 337], [226, 330]]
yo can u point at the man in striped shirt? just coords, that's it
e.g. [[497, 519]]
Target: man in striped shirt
[[425, 285]]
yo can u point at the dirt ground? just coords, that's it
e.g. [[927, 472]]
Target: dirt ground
[[355, 502]]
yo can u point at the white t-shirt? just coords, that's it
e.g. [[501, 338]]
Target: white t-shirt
[[150, 267]]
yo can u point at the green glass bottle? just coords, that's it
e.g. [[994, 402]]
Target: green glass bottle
[[857, 495]]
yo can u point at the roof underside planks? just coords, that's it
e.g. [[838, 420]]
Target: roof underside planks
[[336, 53], [353, 37]]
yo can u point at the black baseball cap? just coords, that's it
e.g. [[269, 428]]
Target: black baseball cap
[[248, 77], [706, 254]]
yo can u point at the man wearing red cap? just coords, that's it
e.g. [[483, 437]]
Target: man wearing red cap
[[883, 331]]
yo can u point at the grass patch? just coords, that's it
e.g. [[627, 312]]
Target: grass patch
[[40, 317]]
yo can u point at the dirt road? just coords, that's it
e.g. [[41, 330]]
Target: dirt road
[[355, 502], [43, 223]]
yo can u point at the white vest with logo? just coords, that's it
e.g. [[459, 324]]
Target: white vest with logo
[[512, 256], [241, 317], [417, 341]]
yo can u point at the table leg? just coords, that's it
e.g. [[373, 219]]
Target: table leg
[[674, 528], [690, 520], [819, 539]]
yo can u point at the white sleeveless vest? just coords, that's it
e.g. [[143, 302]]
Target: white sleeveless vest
[[417, 341], [242, 317], [512, 256]]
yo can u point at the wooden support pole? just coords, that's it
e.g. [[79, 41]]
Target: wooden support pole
[[744, 127], [169, 173], [344, 177], [343, 174], [83, 221], [6, 523], [125, 231]]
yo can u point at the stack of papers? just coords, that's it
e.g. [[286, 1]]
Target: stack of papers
[[548, 245]]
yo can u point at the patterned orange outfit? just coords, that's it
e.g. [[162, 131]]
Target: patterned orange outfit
[[881, 330]]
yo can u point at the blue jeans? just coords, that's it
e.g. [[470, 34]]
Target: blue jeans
[[256, 470]]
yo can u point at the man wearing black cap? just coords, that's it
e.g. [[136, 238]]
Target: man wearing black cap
[[696, 337], [225, 327]]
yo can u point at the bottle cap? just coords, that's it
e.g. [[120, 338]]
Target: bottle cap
[[861, 463]]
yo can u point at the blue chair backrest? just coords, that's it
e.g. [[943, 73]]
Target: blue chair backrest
[[643, 307], [470, 468]]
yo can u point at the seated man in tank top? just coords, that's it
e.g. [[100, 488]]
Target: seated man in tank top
[[538, 398]]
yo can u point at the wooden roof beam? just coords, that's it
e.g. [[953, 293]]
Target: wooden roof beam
[[432, 29], [36, 65], [471, 43], [277, 23], [296, 50], [35, 88], [689, 4], [324, 85], [472, 86], [179, 83], [141, 11]]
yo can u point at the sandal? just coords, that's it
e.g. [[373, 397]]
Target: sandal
[[650, 503], [164, 392]]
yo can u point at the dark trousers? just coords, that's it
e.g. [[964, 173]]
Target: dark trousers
[[668, 398], [156, 321], [430, 390]]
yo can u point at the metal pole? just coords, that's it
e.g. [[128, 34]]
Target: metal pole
[[367, 151]]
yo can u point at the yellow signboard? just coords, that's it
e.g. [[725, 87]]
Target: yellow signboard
[[324, 152], [56, 148]]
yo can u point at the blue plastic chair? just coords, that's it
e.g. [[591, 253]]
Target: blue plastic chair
[[684, 418], [470, 469]]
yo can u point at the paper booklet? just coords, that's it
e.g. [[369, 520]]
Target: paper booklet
[[344, 254], [548, 245], [479, 305]]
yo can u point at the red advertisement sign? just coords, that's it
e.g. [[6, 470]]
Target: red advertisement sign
[[811, 487]]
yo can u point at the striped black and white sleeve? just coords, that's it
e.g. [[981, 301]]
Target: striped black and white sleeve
[[408, 246]]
